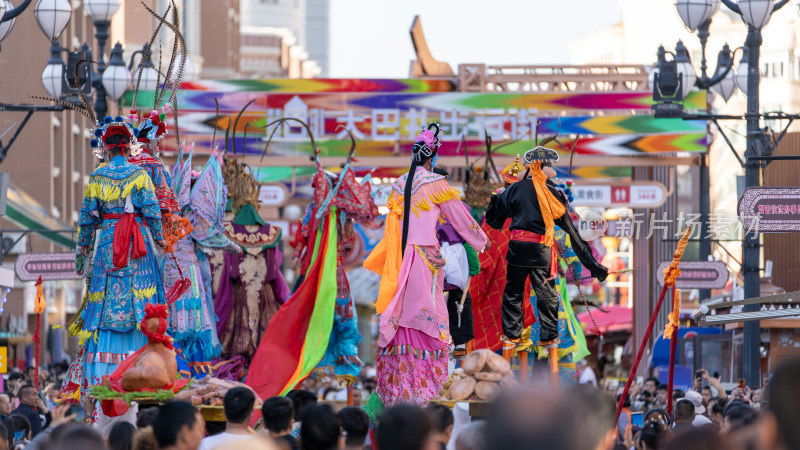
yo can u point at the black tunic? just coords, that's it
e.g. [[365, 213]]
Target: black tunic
[[520, 203]]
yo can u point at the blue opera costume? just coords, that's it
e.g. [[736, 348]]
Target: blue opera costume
[[119, 204]]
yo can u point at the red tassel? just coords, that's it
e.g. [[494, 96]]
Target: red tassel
[[178, 289]]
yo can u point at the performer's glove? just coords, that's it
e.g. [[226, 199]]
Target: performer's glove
[[600, 272]]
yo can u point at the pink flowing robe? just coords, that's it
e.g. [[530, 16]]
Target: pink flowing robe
[[414, 331]]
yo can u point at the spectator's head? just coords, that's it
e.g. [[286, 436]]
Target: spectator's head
[[355, 426], [716, 413], [5, 404], [28, 396], [278, 415], [146, 417], [779, 425], [405, 427], [707, 395], [15, 381], [3, 437], [238, 405], [18, 426], [472, 437], [442, 422], [705, 437], [662, 394], [30, 374], [684, 411], [178, 425], [144, 439], [677, 394], [302, 400], [79, 438], [737, 415], [516, 420], [651, 384], [596, 413], [320, 429], [697, 400], [121, 436], [626, 403], [650, 436]]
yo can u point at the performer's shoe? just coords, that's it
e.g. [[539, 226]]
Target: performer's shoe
[[549, 344], [509, 347], [459, 352]]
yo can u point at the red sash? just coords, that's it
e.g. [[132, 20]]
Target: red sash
[[125, 228], [530, 236]]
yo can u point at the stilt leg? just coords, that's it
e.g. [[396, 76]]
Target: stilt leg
[[350, 395], [523, 367], [552, 355]]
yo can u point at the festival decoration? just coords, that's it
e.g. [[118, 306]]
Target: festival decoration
[[38, 308], [671, 274]]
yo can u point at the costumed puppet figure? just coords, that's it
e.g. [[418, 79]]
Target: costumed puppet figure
[[249, 287], [119, 201], [535, 207], [192, 320], [487, 287], [414, 329], [317, 328]]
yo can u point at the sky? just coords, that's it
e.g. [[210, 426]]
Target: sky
[[370, 38]]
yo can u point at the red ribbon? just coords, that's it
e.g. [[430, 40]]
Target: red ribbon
[[125, 229]]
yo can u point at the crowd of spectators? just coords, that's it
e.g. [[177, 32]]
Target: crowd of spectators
[[576, 417]]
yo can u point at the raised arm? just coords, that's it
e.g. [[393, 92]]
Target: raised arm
[[464, 224]]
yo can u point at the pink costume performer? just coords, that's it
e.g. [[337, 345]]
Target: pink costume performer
[[414, 330]]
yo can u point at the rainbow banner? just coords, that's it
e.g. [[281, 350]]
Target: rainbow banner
[[385, 115], [297, 336], [283, 85]]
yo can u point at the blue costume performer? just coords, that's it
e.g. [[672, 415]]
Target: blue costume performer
[[121, 207]]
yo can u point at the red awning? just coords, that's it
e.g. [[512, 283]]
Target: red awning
[[618, 318]]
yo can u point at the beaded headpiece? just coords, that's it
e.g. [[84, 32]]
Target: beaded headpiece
[[112, 127]]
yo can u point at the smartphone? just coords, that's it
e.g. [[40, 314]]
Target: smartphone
[[741, 383], [19, 435], [637, 419], [79, 412]]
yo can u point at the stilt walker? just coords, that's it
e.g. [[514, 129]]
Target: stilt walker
[[535, 207], [414, 330], [486, 288]]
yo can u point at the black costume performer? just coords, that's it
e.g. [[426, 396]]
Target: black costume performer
[[529, 254]]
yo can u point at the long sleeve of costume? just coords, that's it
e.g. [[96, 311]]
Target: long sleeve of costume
[[582, 249], [88, 220], [146, 202], [463, 222], [498, 210]]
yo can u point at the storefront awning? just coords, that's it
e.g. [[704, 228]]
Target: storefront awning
[[28, 214]]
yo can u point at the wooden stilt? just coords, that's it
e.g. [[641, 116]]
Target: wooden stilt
[[552, 355], [350, 395], [523, 367]]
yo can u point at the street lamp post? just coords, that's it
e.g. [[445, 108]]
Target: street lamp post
[[696, 15]]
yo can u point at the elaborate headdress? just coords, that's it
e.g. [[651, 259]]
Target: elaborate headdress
[[511, 172], [426, 147], [152, 129], [116, 126]]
